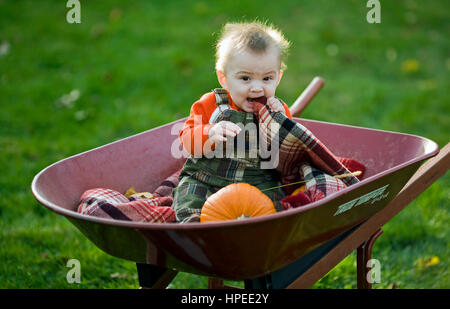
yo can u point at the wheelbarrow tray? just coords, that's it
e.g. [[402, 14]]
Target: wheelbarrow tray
[[240, 249]]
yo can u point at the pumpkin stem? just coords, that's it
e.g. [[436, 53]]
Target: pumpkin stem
[[242, 217]]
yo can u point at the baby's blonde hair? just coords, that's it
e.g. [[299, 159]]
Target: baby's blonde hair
[[255, 37]]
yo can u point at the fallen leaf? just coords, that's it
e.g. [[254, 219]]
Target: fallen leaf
[[434, 260], [142, 195], [68, 100], [425, 263], [130, 192], [410, 66], [74, 95]]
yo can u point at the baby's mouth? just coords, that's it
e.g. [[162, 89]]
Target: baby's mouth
[[261, 100]]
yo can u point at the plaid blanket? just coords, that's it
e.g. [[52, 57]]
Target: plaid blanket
[[107, 203], [302, 156]]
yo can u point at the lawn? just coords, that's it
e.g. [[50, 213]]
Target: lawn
[[132, 66]]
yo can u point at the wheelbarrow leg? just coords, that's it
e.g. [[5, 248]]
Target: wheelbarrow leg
[[217, 283], [154, 277], [363, 255]]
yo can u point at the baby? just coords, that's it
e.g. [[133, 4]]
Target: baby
[[249, 66]]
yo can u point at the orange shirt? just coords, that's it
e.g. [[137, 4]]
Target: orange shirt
[[197, 125]]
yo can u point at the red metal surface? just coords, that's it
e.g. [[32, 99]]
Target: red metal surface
[[241, 249]]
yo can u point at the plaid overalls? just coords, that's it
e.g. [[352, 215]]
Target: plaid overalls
[[201, 177]]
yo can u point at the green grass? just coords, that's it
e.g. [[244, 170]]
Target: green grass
[[142, 64]]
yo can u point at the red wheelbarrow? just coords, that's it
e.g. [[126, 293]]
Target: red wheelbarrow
[[292, 248]]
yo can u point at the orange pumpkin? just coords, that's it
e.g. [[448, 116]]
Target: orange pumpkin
[[236, 201]]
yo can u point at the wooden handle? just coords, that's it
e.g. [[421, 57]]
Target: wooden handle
[[307, 95]]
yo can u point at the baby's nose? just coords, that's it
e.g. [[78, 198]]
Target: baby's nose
[[256, 87]]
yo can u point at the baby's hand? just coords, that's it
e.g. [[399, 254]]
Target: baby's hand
[[220, 130], [275, 105]]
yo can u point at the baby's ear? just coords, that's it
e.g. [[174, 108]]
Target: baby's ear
[[222, 79], [279, 76]]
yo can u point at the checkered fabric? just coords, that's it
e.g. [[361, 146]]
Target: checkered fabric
[[107, 203], [302, 156], [319, 184], [297, 145]]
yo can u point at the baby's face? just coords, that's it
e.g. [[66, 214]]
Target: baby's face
[[250, 75]]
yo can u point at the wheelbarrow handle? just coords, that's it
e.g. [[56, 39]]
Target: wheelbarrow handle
[[306, 96]]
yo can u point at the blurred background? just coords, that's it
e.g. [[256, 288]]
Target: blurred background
[[135, 65]]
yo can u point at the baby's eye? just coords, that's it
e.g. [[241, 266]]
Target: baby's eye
[[245, 78], [267, 78]]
